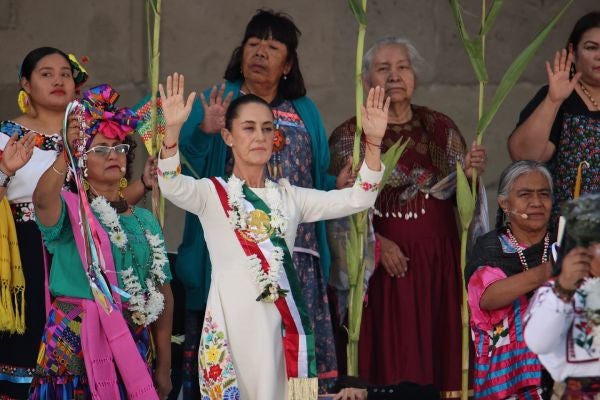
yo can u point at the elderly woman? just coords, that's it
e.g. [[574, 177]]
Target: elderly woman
[[561, 124], [265, 64], [411, 324], [88, 351], [256, 334], [562, 325], [506, 266]]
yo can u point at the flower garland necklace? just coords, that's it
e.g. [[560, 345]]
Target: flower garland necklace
[[258, 227], [145, 304], [519, 250]]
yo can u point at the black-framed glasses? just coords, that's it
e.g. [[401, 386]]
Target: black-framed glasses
[[121, 148]]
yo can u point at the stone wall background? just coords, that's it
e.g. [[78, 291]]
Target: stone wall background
[[199, 36]]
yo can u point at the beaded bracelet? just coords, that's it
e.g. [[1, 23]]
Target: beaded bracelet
[[169, 147], [564, 294]]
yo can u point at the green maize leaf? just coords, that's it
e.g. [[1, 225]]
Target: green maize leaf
[[474, 50], [358, 11], [513, 73], [491, 17], [464, 198], [473, 47], [390, 159]]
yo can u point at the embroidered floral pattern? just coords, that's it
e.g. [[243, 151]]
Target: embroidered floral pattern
[[170, 174], [43, 142], [23, 212], [217, 374], [366, 186]]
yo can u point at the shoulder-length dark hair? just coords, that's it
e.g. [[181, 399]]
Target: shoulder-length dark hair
[[279, 26]]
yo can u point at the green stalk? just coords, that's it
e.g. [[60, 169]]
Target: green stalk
[[158, 203], [358, 222]]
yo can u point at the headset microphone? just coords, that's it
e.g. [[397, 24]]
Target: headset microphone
[[522, 215]]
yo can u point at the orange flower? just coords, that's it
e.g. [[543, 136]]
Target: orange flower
[[278, 141]]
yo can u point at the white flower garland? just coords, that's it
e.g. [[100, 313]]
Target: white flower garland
[[268, 283], [145, 305], [590, 290]]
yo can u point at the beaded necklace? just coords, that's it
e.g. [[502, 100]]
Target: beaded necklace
[[585, 91], [519, 250]]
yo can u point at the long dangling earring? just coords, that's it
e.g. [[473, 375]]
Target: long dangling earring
[[122, 185], [86, 184], [23, 101]]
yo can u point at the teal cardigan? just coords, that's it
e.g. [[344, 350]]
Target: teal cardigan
[[205, 156]]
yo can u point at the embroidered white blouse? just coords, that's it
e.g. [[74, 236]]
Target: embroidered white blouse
[[251, 330], [561, 336]]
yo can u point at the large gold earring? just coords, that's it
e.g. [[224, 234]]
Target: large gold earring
[[86, 184], [123, 183], [23, 101]]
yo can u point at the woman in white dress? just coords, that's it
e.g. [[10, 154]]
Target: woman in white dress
[[256, 340]]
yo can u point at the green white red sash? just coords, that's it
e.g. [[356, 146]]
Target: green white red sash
[[298, 337]]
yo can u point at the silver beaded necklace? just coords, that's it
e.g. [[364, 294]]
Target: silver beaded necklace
[[522, 258]]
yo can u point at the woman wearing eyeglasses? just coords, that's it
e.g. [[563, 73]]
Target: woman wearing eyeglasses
[[49, 80], [85, 351]]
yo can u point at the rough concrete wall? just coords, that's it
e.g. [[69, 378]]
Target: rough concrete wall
[[198, 37]]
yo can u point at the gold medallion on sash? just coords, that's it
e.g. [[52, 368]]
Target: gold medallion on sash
[[258, 226]]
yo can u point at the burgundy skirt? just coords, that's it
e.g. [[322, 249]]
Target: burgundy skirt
[[411, 327]]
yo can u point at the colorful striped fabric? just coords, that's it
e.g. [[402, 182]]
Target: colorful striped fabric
[[504, 366]]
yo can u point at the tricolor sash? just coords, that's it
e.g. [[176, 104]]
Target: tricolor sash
[[298, 337]]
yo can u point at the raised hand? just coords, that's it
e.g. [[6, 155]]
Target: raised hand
[[575, 267], [560, 85], [375, 115], [17, 153], [214, 109], [175, 108]]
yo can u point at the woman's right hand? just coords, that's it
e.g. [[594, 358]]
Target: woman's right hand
[[17, 153], [560, 84], [575, 267], [392, 258], [214, 109], [175, 109], [351, 394]]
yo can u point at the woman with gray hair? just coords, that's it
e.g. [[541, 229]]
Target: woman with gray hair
[[506, 266], [411, 325]]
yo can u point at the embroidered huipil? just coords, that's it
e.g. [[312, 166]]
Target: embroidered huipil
[[504, 366], [561, 335], [241, 349]]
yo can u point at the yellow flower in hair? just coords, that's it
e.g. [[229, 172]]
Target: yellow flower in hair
[[76, 62]]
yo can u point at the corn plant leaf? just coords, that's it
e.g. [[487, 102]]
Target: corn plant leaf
[[491, 16], [513, 73], [359, 12], [473, 47], [465, 199], [390, 159]]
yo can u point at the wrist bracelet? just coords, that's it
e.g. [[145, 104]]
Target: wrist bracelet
[[57, 171], [167, 147], [564, 294], [372, 144], [146, 187]]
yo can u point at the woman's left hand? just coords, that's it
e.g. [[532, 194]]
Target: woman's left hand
[[476, 159], [375, 115], [150, 175], [351, 394], [162, 382]]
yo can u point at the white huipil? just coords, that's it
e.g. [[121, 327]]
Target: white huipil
[[250, 329]]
